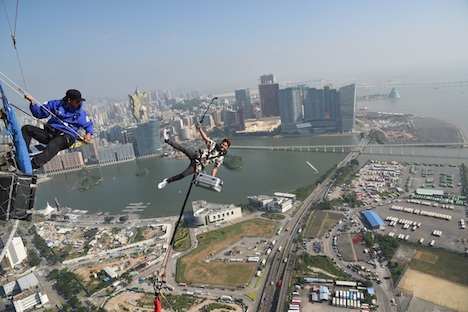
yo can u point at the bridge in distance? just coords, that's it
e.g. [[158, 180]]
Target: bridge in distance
[[399, 84], [395, 149]]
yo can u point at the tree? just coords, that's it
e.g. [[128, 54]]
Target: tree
[[34, 258], [367, 283], [108, 219], [123, 219]]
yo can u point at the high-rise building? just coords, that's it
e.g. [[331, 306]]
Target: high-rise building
[[325, 110], [243, 98], [88, 151], [332, 103], [147, 138], [154, 96], [314, 104], [139, 105], [269, 100], [186, 133], [231, 118], [115, 134], [268, 79], [116, 153], [290, 103], [64, 162], [240, 113], [244, 102], [177, 123], [347, 99], [217, 116]]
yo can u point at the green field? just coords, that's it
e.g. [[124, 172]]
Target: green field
[[441, 263], [194, 268]]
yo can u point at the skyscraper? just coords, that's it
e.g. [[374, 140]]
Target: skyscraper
[[268, 91], [314, 104], [332, 103], [243, 98], [327, 109], [244, 102], [290, 103], [139, 105], [347, 99], [147, 139], [267, 79]]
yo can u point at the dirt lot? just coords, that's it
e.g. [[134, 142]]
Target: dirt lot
[[124, 300], [322, 221], [85, 272], [436, 290], [121, 264], [349, 250], [117, 303]]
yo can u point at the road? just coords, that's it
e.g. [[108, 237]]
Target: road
[[381, 290]]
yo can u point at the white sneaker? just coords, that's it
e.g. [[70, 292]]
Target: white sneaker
[[163, 183], [165, 136]]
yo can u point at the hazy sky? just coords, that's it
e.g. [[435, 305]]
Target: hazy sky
[[109, 47]]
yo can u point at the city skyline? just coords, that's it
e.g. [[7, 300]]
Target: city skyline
[[107, 49]]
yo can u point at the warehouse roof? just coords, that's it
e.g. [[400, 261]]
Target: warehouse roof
[[27, 282], [373, 218]]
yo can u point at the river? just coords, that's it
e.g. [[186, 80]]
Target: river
[[264, 172]]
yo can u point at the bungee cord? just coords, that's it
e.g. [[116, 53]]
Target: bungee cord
[[160, 279], [13, 38], [20, 90]]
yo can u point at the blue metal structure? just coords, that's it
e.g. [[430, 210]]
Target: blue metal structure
[[14, 129]]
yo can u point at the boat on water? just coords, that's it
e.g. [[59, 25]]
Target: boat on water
[[311, 166]]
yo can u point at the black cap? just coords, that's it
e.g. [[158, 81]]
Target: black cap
[[73, 94]]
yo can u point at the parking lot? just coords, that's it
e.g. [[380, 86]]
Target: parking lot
[[428, 215]]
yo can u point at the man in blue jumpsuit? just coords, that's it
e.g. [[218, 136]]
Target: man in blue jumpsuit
[[60, 132]]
